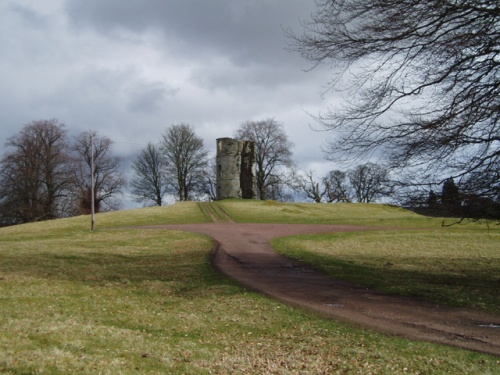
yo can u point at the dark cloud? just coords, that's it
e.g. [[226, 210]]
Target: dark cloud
[[248, 31]]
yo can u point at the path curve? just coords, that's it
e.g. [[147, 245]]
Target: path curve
[[243, 252]]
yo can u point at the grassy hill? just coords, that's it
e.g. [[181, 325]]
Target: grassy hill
[[134, 301]]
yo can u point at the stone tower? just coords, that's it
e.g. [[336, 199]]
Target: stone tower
[[235, 169]]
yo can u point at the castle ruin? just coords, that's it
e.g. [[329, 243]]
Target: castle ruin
[[235, 169]]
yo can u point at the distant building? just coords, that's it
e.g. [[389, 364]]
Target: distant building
[[236, 169]]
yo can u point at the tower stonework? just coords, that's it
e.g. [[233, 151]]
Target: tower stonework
[[235, 169]]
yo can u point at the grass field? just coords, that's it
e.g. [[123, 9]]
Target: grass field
[[340, 213], [454, 267], [147, 301]]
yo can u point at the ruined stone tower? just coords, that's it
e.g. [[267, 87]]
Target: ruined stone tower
[[235, 169]]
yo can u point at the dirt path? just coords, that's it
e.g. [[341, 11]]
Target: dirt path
[[243, 252]]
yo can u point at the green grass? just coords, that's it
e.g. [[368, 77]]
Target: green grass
[[180, 213], [251, 211], [144, 301], [454, 266]]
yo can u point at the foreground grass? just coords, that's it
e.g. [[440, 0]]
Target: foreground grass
[[147, 301]]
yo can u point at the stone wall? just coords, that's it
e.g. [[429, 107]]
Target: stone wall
[[235, 169]]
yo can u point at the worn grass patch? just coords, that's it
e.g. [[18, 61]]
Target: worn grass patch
[[147, 301], [454, 266]]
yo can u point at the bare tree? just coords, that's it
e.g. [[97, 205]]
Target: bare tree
[[481, 195], [273, 155], [337, 187], [313, 188], [210, 181], [36, 177], [483, 184], [280, 187], [186, 161], [369, 182], [334, 187], [108, 179], [149, 184], [422, 78]]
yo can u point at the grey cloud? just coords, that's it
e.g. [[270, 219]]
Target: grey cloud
[[245, 30], [101, 97], [234, 77], [29, 16], [149, 97]]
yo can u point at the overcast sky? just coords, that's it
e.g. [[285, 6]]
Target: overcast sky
[[130, 68]]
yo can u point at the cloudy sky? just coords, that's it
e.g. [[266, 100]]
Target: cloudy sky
[[130, 68]]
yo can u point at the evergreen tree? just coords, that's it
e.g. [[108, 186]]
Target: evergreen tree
[[451, 196]]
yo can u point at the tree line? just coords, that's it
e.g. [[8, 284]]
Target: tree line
[[178, 164], [365, 183], [46, 175]]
